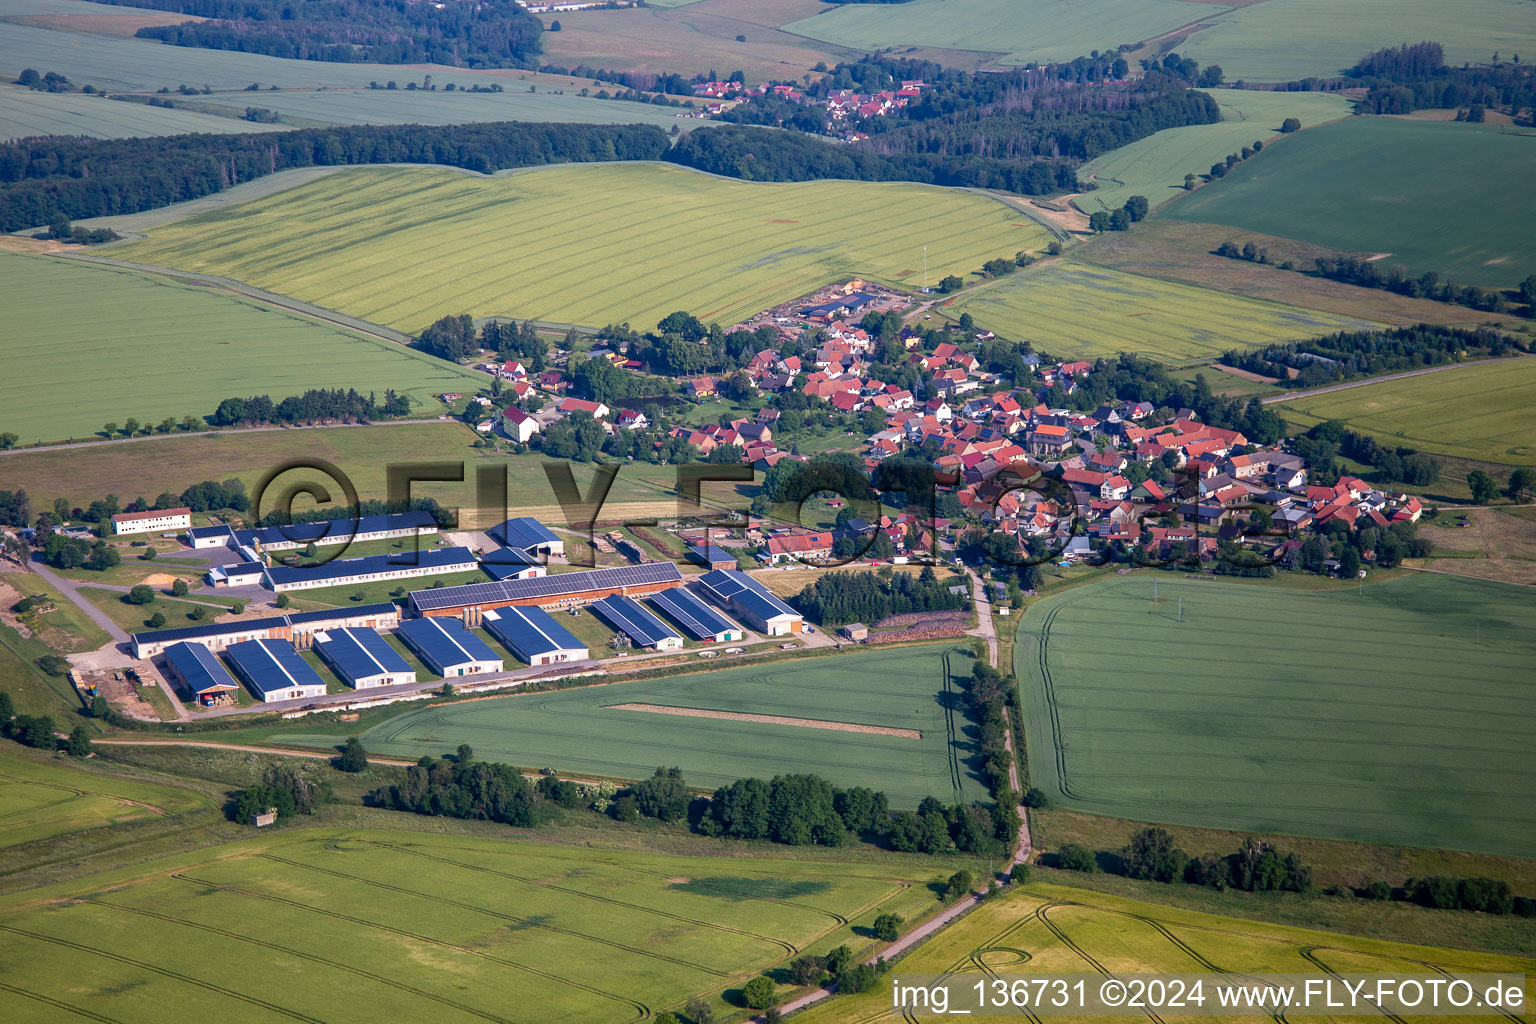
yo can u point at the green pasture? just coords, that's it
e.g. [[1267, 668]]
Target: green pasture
[[1025, 31], [589, 244], [1485, 412], [420, 106], [318, 924], [1429, 195], [1281, 40], [1079, 311], [362, 453], [25, 113], [578, 731], [39, 799], [86, 344], [1394, 712], [1060, 930], [1155, 166], [134, 618]]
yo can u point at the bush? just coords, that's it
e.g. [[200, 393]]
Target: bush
[[155, 621], [79, 742], [1036, 798], [354, 758], [53, 664], [1077, 857], [1377, 890], [179, 588], [1020, 874], [759, 992]]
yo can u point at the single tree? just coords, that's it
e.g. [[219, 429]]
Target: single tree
[[1077, 857], [354, 758], [699, 1011], [1521, 483], [759, 992], [1482, 486], [887, 927], [464, 754], [142, 593], [959, 885], [155, 621], [1098, 222], [179, 588], [1289, 125], [150, 554], [99, 707], [79, 742]]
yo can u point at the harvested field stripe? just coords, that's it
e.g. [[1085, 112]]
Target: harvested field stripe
[[737, 716]]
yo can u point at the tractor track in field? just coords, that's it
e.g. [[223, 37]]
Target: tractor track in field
[[301, 955], [58, 1004], [641, 1010]]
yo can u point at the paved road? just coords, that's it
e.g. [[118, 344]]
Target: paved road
[[1290, 395], [69, 588]]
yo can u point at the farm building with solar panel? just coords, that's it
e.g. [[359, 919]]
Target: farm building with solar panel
[[529, 535], [643, 629], [449, 649], [470, 601], [749, 601], [371, 569], [272, 670], [363, 658], [534, 636], [697, 619], [196, 669]]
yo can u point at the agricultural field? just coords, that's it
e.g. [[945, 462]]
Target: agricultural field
[[403, 247], [1075, 310], [182, 366], [418, 106], [691, 37], [581, 731], [1281, 40], [1023, 31], [150, 466], [1155, 166], [1416, 192], [40, 799], [24, 113], [1060, 930], [322, 923], [1485, 412], [1242, 715]]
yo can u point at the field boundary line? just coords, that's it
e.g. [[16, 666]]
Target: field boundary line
[[1347, 385], [744, 716]]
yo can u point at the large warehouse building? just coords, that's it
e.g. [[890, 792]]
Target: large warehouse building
[[643, 629], [321, 534], [273, 670], [449, 649], [698, 619], [533, 635], [371, 569], [298, 627], [363, 658], [529, 535], [196, 669], [562, 590], [749, 601]]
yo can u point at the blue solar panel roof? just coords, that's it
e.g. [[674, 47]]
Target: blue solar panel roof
[[530, 632], [162, 636], [700, 620], [343, 569], [731, 585], [626, 615], [551, 587], [358, 653], [708, 554], [446, 642], [196, 664], [270, 665], [523, 532], [357, 611], [336, 529]]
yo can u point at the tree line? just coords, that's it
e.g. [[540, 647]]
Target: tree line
[[317, 405], [1414, 76], [45, 179], [1256, 865], [39, 731], [1347, 355], [486, 34], [461, 787], [836, 598]]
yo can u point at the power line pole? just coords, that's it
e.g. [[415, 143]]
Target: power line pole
[[1181, 609], [1154, 591], [925, 270]]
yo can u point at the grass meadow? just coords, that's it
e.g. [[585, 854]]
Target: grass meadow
[[1395, 713], [579, 731], [419, 106], [1076, 310], [1060, 930], [326, 924], [589, 245], [1024, 31], [1155, 166], [364, 453], [40, 799], [1485, 412], [1281, 40], [24, 113], [1422, 192], [146, 348]]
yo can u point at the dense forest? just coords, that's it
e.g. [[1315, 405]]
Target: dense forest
[[1350, 354], [45, 179], [1023, 131], [1413, 77], [489, 33]]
